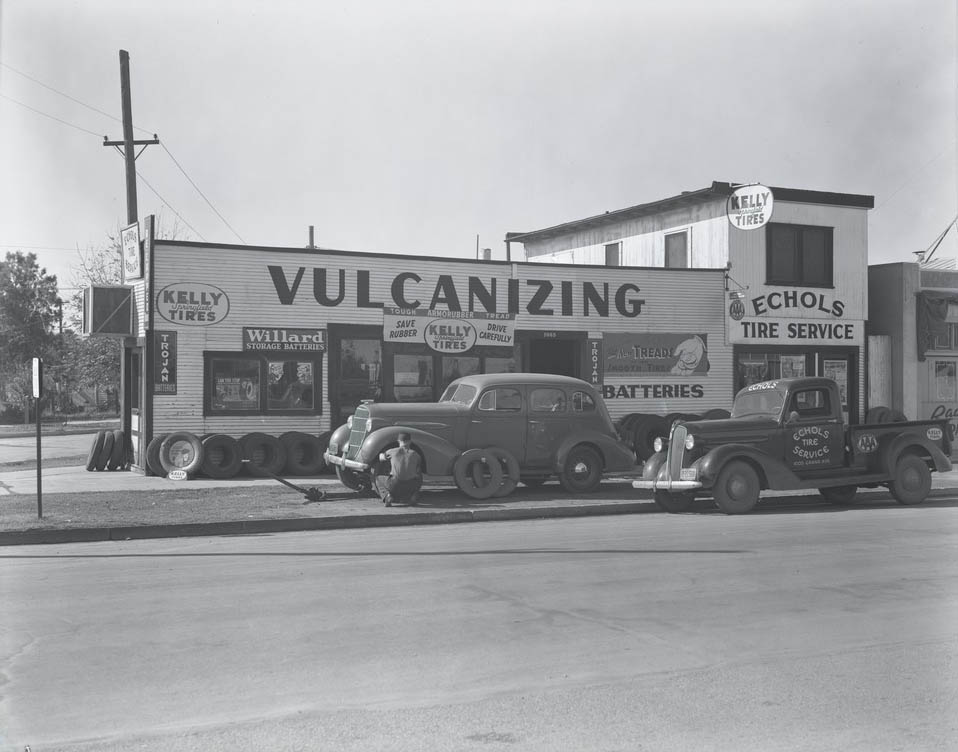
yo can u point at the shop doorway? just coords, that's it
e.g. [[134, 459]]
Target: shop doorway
[[559, 356]]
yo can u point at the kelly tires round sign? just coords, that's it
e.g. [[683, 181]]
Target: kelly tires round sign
[[749, 207]]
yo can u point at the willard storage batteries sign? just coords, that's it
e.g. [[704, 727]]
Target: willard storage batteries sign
[[449, 331]]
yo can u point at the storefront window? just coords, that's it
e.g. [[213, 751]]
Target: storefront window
[[455, 368], [753, 368], [235, 384], [500, 365], [290, 385], [946, 385], [250, 384], [413, 378]]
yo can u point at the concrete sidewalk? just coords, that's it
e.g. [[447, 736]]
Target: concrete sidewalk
[[442, 503]]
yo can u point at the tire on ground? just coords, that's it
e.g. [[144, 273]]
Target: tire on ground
[[737, 488], [510, 469], [181, 450], [304, 453], [912, 481], [95, 448], [265, 454], [153, 455], [582, 470], [222, 456], [106, 451], [119, 458], [489, 473]]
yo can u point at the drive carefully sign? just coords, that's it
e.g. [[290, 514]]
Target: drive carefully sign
[[750, 206]]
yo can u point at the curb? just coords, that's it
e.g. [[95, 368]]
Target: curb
[[260, 527]]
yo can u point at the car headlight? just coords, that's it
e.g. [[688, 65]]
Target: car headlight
[[689, 441], [658, 445]]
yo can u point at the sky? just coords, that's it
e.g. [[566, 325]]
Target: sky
[[433, 127]]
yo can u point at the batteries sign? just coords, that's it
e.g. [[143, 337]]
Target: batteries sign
[[749, 207]]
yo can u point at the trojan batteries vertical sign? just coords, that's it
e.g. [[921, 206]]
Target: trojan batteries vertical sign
[[164, 362]]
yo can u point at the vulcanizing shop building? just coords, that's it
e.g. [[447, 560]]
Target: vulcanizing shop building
[[665, 307]]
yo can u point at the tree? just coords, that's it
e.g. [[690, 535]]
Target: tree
[[28, 312]]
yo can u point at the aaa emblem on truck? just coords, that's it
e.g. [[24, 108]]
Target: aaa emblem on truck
[[867, 443]]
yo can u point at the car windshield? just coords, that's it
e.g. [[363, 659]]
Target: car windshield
[[755, 403], [461, 393]]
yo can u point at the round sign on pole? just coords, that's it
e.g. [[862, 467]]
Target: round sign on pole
[[750, 206]]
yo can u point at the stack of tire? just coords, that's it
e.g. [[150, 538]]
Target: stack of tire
[[640, 430], [221, 456], [883, 414], [109, 451], [493, 472]]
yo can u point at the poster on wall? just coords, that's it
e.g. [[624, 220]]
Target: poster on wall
[[642, 354], [449, 331], [837, 371]]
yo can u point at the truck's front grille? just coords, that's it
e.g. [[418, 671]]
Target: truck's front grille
[[676, 455]]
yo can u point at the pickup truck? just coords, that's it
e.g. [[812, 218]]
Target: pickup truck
[[786, 435], [490, 432]]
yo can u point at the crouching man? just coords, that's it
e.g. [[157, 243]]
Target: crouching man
[[405, 473]]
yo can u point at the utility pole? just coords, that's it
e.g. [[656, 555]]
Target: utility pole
[[128, 141]]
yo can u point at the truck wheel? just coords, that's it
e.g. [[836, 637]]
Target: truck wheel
[[674, 503], [912, 480], [737, 488], [582, 470], [839, 494]]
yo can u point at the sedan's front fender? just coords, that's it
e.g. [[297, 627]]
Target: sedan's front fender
[[438, 454]]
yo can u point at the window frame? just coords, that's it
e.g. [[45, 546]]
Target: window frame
[[262, 360], [797, 279], [688, 248]]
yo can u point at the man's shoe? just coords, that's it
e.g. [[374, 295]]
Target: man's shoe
[[388, 500]]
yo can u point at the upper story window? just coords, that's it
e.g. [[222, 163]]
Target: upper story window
[[677, 250], [613, 254], [798, 255]]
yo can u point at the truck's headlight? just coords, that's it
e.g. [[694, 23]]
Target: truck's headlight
[[349, 422], [658, 445], [689, 441]]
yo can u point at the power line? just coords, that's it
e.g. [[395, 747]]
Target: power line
[[167, 204], [202, 194], [40, 112], [67, 96]]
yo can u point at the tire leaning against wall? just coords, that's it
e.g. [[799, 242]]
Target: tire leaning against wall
[[153, 455], [263, 453], [181, 450], [106, 451], [95, 448], [304, 453], [222, 456], [119, 457]]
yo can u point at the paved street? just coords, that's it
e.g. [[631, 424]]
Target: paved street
[[795, 630]]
